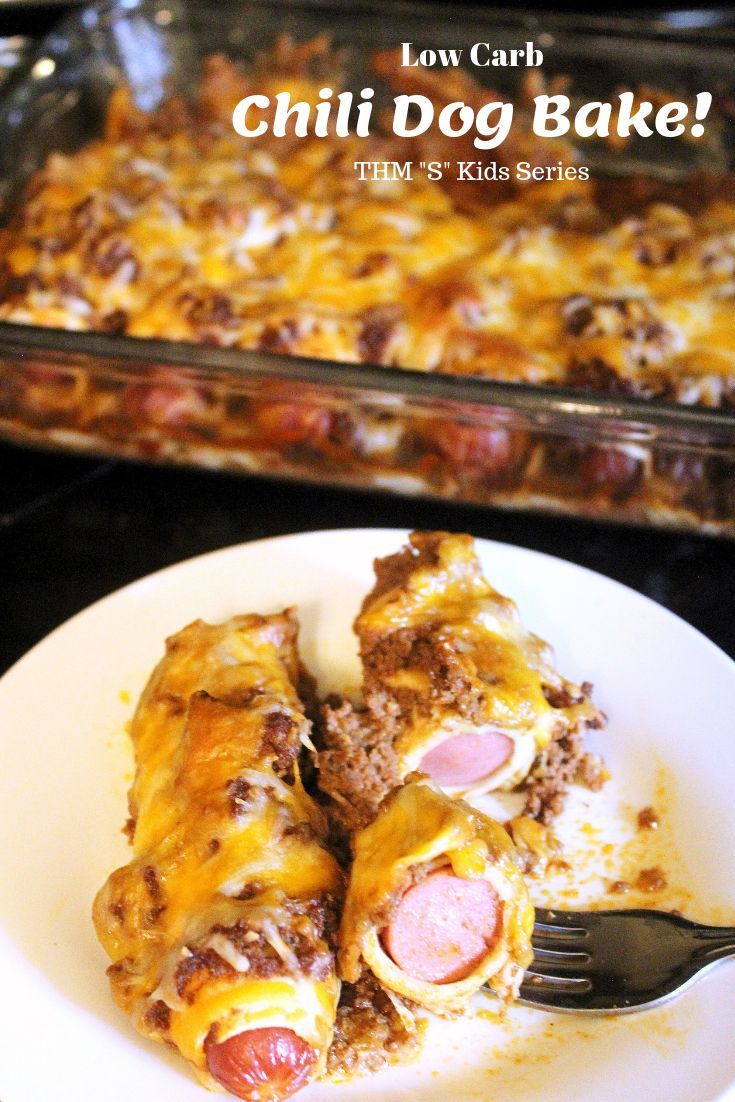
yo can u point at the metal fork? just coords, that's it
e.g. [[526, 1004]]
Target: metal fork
[[615, 962]]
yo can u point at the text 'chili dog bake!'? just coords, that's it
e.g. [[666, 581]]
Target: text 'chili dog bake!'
[[220, 928]]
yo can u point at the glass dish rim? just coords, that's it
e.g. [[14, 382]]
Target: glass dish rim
[[619, 23], [126, 353]]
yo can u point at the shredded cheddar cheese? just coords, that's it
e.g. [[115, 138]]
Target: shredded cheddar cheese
[[217, 922], [172, 226]]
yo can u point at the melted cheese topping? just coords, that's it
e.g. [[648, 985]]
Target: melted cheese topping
[[225, 850], [436, 612], [418, 825], [172, 226]]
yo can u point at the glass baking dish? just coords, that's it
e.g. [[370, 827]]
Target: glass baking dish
[[513, 445]]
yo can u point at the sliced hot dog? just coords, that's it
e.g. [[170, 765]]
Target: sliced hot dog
[[261, 1065], [164, 404], [466, 759], [443, 927]]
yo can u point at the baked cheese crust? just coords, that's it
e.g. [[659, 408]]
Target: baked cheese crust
[[170, 226], [223, 919]]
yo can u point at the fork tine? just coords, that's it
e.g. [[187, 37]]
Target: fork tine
[[562, 923], [555, 938], [544, 958], [559, 939], [536, 984], [617, 961]]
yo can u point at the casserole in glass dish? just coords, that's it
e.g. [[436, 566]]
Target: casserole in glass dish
[[170, 291]]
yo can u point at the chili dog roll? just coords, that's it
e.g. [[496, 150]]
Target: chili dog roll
[[220, 928], [436, 905], [470, 697]]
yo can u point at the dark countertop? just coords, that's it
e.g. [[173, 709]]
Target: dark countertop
[[73, 530]]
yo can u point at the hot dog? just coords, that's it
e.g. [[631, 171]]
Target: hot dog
[[267, 1064], [469, 696], [220, 927], [443, 927], [436, 905]]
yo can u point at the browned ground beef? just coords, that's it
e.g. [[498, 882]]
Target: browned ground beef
[[357, 764], [563, 761], [368, 1032], [394, 570], [428, 650], [358, 767]]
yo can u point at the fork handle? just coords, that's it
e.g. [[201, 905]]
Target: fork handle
[[719, 941]]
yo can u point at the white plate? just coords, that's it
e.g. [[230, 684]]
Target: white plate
[[66, 767]]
